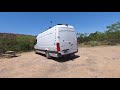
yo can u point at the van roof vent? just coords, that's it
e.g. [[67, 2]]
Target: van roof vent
[[50, 27], [66, 25]]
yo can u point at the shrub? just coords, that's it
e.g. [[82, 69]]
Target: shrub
[[16, 42], [94, 43]]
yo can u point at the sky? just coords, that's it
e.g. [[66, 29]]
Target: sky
[[32, 23]]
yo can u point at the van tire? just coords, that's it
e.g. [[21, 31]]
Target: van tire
[[72, 55], [36, 52], [47, 55]]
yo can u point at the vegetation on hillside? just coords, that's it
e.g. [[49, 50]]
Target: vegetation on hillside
[[16, 42], [110, 37]]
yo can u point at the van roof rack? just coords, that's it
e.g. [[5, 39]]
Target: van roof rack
[[59, 24], [62, 24]]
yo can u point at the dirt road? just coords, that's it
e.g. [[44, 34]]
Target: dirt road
[[92, 62]]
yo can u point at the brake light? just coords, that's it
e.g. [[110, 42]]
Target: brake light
[[58, 46]]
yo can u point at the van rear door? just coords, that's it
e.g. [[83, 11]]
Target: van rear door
[[68, 40]]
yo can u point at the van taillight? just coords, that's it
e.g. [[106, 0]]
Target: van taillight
[[58, 47]]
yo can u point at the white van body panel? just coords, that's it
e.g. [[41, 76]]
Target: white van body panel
[[63, 34], [67, 40], [46, 40]]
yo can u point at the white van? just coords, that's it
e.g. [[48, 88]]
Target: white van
[[57, 41]]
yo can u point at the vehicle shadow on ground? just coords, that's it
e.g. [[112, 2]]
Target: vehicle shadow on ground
[[63, 59]]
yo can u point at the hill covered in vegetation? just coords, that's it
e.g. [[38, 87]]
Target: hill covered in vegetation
[[110, 37], [16, 42]]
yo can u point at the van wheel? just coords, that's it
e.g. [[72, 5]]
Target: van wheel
[[36, 52], [72, 55], [47, 55]]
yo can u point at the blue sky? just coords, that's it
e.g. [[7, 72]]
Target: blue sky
[[33, 23]]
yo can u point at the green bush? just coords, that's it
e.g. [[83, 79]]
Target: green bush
[[86, 43], [112, 43], [110, 37], [94, 43], [16, 42]]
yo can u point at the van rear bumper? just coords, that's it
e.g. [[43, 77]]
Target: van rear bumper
[[60, 55], [56, 54]]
